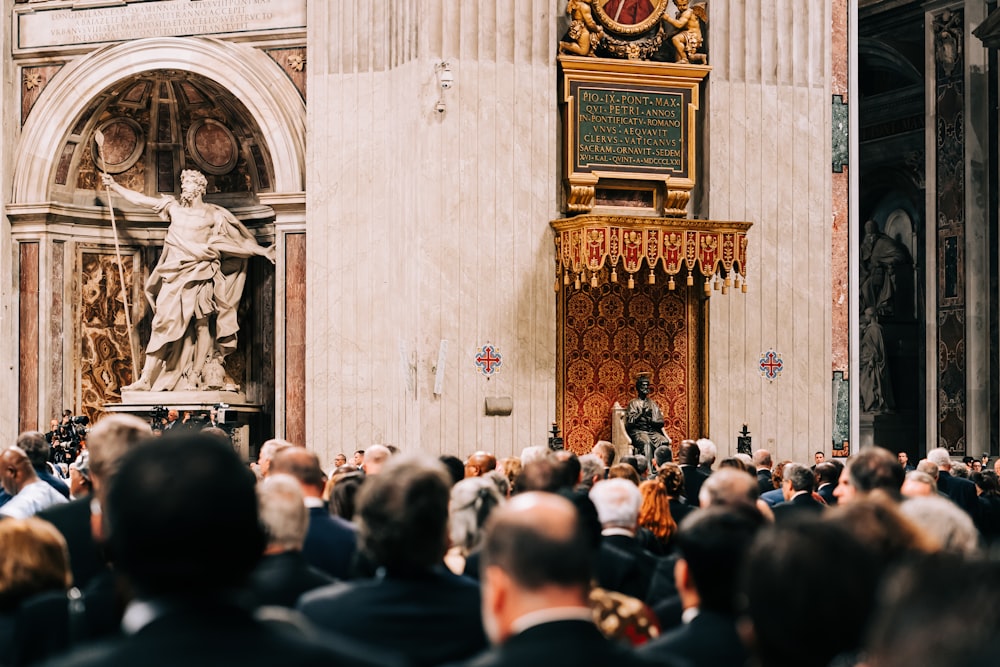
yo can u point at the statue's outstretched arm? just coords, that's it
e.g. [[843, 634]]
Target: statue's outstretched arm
[[130, 196]]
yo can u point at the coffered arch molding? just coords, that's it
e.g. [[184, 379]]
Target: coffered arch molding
[[249, 74]]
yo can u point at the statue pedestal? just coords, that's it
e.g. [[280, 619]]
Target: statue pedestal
[[183, 400], [895, 431]]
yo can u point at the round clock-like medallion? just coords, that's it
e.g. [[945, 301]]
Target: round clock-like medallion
[[212, 146], [124, 143]]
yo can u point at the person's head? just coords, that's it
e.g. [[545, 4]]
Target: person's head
[[959, 469], [267, 452], [591, 470], [36, 447], [533, 453], [376, 457], [540, 474], [797, 479], [511, 468], [605, 451], [976, 466], [712, 545], [359, 457], [945, 522], [827, 472], [663, 454], [303, 465], [672, 478], [729, 487], [283, 513], [941, 458], [654, 512], [16, 471], [996, 466], [183, 518], [818, 458], [738, 462], [642, 386], [623, 471], [108, 442], [709, 452], [617, 502], [339, 460], [479, 464], [688, 453], [173, 415], [871, 469], [930, 468], [33, 560], [918, 484], [987, 483], [472, 501], [641, 465], [903, 458], [783, 571], [536, 556], [568, 468], [455, 466], [79, 476], [344, 494], [193, 185], [762, 459], [778, 475], [877, 522], [402, 515]]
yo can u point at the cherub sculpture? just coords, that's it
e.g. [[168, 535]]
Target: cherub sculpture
[[688, 39], [584, 33]]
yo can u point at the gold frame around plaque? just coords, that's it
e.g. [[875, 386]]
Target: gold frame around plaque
[[626, 29], [683, 78]]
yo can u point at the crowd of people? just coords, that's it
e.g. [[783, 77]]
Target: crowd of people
[[170, 550]]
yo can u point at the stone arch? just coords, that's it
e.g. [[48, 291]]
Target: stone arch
[[248, 73]]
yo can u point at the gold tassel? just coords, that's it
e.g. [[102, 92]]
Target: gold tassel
[[670, 284], [729, 282], [614, 275], [593, 279], [556, 286], [566, 278], [690, 279], [744, 287], [725, 288], [737, 282], [652, 278], [708, 288], [716, 285], [576, 283], [631, 283]]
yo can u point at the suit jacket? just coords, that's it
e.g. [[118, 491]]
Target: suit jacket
[[693, 479], [208, 634], [960, 490], [72, 519], [764, 482], [679, 510], [624, 566], [430, 618], [826, 493], [562, 644], [773, 497], [800, 506], [709, 640], [330, 543], [281, 579]]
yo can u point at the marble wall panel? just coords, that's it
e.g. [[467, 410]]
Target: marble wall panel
[[28, 265], [295, 338]]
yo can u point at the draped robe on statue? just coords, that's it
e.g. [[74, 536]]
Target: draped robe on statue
[[192, 281]]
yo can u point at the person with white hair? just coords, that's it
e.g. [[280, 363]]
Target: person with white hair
[[472, 502], [708, 452], [534, 453], [266, 454], [622, 565], [283, 574], [961, 491], [952, 528], [918, 484], [375, 459]]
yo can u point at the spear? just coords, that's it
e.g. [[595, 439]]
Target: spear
[[99, 138]]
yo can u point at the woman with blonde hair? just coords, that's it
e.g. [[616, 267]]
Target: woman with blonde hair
[[655, 518]]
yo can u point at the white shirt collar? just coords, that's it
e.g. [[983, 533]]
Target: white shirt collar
[[313, 501], [689, 614], [614, 530], [541, 616]]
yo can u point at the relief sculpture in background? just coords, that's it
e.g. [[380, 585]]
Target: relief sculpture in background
[[195, 289], [637, 30]]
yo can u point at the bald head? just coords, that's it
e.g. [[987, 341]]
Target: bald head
[[729, 487], [301, 464], [479, 464], [16, 470], [375, 459]]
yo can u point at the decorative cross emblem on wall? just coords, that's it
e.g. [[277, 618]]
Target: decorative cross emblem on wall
[[771, 364], [488, 360]]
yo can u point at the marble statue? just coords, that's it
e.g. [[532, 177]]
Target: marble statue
[[688, 39], [196, 287], [584, 33], [875, 385], [881, 259], [644, 421]]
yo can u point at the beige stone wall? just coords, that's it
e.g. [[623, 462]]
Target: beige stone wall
[[425, 227], [768, 155]]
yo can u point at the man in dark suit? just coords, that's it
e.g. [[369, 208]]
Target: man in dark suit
[[622, 564], [689, 455], [904, 460], [184, 528], [712, 546], [536, 578], [871, 469], [827, 474], [762, 461], [415, 608], [961, 491], [331, 542], [108, 441], [283, 574], [797, 487]]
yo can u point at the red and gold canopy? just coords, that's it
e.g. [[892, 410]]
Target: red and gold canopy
[[592, 248]]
